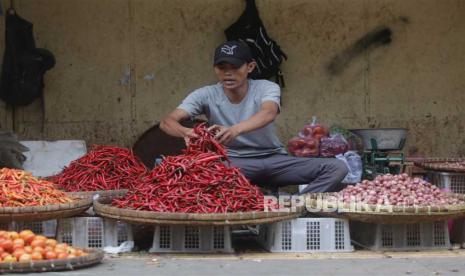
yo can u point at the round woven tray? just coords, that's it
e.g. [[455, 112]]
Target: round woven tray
[[148, 217], [40, 213], [382, 213], [439, 164], [94, 257]]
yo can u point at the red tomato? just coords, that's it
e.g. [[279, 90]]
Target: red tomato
[[25, 258], [18, 252], [40, 237], [38, 242], [49, 255], [38, 249], [13, 235], [10, 259], [18, 241], [25, 233], [35, 256], [62, 255], [6, 244], [28, 238], [51, 242], [28, 249], [4, 254]]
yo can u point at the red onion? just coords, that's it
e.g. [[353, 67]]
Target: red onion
[[399, 190]]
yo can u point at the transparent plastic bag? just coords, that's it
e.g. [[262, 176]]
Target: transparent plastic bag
[[355, 166], [354, 142], [124, 247], [313, 130], [332, 146], [303, 147]]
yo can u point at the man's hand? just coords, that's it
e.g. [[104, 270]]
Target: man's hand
[[188, 134], [223, 134]]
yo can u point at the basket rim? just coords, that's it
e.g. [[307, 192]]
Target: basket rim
[[185, 218], [392, 214], [80, 202], [437, 164], [46, 212]]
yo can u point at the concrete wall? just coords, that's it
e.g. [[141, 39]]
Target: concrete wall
[[123, 64]]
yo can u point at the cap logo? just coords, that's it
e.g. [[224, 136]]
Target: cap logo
[[229, 50]]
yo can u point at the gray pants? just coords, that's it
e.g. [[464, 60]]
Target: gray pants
[[322, 174]]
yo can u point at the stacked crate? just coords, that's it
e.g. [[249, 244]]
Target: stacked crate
[[401, 237], [306, 235], [192, 238], [93, 232]]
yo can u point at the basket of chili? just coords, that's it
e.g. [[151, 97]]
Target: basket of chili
[[24, 197], [197, 187], [104, 168]]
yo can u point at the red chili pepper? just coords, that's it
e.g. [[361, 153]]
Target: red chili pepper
[[103, 168], [20, 188], [197, 181]]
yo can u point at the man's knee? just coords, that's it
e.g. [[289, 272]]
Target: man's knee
[[340, 168]]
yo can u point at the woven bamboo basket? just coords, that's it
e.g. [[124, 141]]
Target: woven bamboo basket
[[147, 217], [382, 213], [41, 213], [94, 257], [440, 164]]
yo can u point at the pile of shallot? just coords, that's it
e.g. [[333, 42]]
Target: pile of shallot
[[398, 190]]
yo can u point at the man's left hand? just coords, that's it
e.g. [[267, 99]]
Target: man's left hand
[[224, 135]]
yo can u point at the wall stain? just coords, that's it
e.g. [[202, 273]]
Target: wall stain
[[126, 79], [378, 37]]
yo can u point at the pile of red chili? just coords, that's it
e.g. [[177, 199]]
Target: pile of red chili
[[197, 181], [103, 168], [20, 188]]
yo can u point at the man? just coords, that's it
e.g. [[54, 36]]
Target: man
[[242, 111]]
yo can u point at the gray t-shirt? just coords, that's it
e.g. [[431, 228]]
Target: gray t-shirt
[[213, 102]]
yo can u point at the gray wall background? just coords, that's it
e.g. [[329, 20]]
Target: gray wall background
[[123, 64]]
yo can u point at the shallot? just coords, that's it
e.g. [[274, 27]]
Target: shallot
[[398, 190]]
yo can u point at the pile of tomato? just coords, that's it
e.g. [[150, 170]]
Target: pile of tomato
[[26, 246]]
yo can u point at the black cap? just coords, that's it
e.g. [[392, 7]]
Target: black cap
[[234, 52]]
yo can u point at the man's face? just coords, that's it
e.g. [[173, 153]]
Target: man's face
[[233, 77]]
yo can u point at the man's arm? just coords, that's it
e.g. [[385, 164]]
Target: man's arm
[[170, 124], [268, 112]]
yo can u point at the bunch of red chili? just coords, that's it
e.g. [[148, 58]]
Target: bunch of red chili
[[103, 168], [20, 188], [198, 181]]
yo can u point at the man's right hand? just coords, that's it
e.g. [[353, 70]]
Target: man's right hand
[[170, 124], [188, 134]]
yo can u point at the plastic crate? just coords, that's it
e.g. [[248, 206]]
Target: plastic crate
[[200, 239], [93, 232], [457, 232], [402, 237], [306, 235], [6, 226], [453, 182], [46, 228]]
